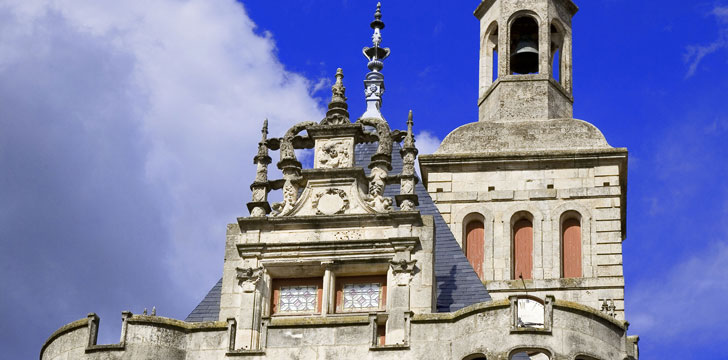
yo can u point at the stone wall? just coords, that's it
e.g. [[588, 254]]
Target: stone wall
[[496, 188], [486, 329]]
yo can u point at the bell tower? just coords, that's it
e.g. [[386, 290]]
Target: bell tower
[[525, 60]]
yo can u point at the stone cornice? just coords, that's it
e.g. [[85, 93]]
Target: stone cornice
[[394, 218]]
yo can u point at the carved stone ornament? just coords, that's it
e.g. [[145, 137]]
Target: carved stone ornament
[[336, 119], [334, 154], [330, 202], [290, 196], [376, 199], [407, 205], [248, 278], [403, 271]]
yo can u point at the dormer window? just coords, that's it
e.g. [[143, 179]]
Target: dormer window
[[361, 293], [297, 296]]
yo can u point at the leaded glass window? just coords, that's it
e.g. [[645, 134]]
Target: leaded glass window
[[298, 299], [362, 296]]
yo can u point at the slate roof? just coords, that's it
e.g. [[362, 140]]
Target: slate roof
[[209, 308], [457, 284]]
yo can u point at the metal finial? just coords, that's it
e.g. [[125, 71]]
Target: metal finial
[[377, 23], [374, 83]]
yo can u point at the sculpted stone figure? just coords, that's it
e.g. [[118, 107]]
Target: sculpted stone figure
[[334, 155]]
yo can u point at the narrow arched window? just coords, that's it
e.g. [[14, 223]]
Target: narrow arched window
[[489, 58], [523, 249], [557, 44], [571, 248], [475, 245]]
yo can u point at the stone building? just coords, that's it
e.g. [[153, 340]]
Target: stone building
[[509, 246]]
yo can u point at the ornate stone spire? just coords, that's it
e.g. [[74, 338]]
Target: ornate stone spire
[[259, 205], [374, 83], [407, 200], [338, 113]]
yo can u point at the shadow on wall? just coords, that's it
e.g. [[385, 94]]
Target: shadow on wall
[[447, 289]]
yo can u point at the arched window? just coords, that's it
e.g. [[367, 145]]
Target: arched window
[[530, 354], [557, 44], [571, 247], [524, 46], [489, 58], [523, 249], [475, 357], [475, 245]]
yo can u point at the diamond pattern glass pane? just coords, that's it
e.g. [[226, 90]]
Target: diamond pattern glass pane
[[361, 296], [298, 299]]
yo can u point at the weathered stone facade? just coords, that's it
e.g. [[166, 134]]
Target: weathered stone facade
[[362, 260]]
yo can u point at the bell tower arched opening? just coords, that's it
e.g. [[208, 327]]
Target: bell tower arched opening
[[524, 46]]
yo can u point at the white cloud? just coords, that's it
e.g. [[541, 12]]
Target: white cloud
[[687, 302], [197, 84], [426, 143], [695, 54]]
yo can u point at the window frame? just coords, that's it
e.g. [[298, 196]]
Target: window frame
[[278, 283], [341, 281]]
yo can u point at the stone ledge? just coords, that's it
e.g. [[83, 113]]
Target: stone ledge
[[457, 315], [575, 307], [178, 324], [554, 284], [330, 320], [235, 353]]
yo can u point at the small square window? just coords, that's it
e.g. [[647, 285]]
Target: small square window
[[361, 294], [297, 296]]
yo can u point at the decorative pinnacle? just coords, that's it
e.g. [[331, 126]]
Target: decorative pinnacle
[[262, 147], [409, 140], [337, 113], [265, 130], [338, 91]]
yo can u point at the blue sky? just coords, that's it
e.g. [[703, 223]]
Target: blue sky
[[127, 131]]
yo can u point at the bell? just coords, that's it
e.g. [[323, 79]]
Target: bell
[[525, 59]]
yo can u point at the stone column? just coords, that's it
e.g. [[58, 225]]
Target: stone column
[[248, 325], [328, 300], [398, 298]]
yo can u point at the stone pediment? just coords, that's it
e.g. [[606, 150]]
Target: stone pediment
[[334, 192]]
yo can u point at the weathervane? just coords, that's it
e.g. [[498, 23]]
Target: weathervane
[[374, 83]]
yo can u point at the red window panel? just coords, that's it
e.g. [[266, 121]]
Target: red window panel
[[571, 256], [475, 246], [523, 249]]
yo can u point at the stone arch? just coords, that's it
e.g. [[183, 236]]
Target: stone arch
[[518, 349], [477, 356], [460, 219], [585, 356], [588, 237], [510, 217]]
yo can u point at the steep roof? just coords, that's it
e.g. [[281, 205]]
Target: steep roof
[[457, 284]]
